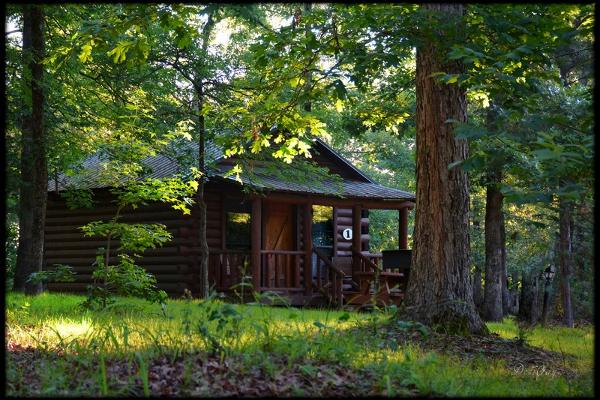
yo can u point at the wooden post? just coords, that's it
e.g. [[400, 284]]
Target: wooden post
[[356, 236], [403, 228], [256, 241], [307, 220]]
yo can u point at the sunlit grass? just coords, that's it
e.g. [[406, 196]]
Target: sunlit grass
[[134, 328]]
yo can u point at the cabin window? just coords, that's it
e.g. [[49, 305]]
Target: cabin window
[[322, 230], [237, 225]]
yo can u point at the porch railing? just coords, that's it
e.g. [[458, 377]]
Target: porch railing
[[329, 279], [280, 269], [369, 262], [226, 267], [375, 281]]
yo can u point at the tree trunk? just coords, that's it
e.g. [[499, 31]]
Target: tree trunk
[[494, 254], [547, 302], [565, 260], [204, 252], [506, 299], [439, 290], [514, 294], [199, 87], [477, 288], [34, 169], [529, 307]]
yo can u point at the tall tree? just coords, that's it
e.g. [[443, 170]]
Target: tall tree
[[439, 289], [34, 171], [495, 245]]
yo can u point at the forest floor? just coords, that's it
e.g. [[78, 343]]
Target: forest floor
[[211, 348]]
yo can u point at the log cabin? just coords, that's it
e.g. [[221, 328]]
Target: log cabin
[[306, 240]]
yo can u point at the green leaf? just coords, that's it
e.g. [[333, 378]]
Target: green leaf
[[320, 325], [344, 317], [545, 154], [468, 131]]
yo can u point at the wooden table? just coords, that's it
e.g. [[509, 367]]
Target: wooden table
[[387, 280]]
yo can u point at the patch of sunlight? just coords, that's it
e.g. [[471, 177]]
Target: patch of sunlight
[[69, 328], [366, 357]]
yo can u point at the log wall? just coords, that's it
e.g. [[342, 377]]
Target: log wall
[[175, 264]]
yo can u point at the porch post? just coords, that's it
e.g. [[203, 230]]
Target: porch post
[[356, 236], [255, 242], [403, 228], [307, 220]]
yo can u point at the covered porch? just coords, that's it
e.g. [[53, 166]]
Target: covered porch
[[292, 255]]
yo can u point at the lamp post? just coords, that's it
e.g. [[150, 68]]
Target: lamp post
[[548, 274]]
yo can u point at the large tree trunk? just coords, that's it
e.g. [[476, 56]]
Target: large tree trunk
[[34, 169], [495, 280], [439, 290], [565, 260]]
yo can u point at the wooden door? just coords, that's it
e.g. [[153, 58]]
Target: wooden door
[[279, 235]]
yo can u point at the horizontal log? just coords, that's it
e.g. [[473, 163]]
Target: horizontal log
[[75, 228], [344, 245], [94, 243], [77, 235], [92, 251], [282, 252], [365, 203], [213, 233], [363, 237], [213, 223], [170, 288], [348, 221], [129, 217], [160, 278], [213, 243], [180, 269], [105, 209], [281, 289], [343, 212], [160, 260]]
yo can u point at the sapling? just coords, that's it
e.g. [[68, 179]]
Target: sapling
[[126, 278]]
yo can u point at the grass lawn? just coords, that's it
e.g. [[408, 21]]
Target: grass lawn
[[213, 348]]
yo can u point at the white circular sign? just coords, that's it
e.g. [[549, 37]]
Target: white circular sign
[[347, 233]]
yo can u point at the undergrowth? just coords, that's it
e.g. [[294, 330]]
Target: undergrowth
[[117, 351]]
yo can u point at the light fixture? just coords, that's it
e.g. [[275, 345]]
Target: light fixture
[[548, 273]]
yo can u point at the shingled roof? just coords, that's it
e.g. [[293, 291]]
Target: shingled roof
[[163, 166]]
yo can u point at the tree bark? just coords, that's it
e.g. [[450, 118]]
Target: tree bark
[[477, 288], [494, 254], [204, 251], [514, 294], [199, 87], [34, 169], [565, 259], [529, 307], [439, 290], [506, 299]]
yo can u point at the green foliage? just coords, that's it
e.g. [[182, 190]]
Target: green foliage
[[126, 278], [136, 334], [134, 237], [60, 273], [123, 279], [175, 191], [77, 198]]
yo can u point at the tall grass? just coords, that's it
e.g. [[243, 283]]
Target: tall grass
[[272, 338]]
